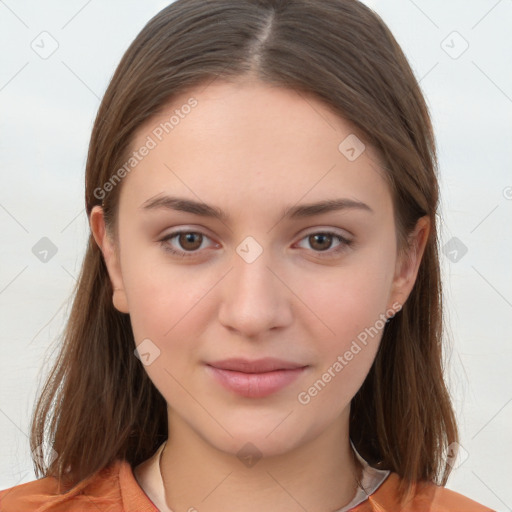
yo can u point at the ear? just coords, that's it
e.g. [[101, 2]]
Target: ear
[[111, 256], [408, 262]]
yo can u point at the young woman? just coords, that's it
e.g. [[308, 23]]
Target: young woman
[[257, 323]]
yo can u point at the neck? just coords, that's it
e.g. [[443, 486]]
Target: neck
[[320, 475]]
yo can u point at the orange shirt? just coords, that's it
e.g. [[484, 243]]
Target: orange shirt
[[115, 489]]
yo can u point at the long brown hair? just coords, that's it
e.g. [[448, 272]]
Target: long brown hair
[[98, 404]]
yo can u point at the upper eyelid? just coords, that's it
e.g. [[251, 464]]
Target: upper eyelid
[[179, 231]]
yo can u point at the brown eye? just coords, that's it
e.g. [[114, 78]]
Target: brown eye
[[320, 241], [190, 241], [185, 243], [326, 244]]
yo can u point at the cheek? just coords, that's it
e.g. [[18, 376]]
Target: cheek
[[345, 301], [169, 307], [352, 304], [160, 294], [163, 302]]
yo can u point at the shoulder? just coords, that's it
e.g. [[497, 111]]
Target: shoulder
[[427, 497], [112, 489]]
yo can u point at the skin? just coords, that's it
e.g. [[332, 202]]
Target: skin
[[253, 149]]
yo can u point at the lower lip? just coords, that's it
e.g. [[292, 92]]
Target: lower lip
[[255, 385]]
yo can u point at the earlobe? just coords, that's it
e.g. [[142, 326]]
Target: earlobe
[[119, 300], [110, 256], [408, 262]]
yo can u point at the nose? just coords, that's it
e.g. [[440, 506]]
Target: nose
[[254, 298]]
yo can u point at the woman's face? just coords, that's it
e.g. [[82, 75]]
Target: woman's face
[[287, 251]]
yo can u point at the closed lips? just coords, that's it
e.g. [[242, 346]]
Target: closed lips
[[255, 366], [256, 378]]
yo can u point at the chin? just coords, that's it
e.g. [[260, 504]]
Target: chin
[[260, 439], [252, 446]]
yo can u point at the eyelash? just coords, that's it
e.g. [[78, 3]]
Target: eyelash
[[344, 243]]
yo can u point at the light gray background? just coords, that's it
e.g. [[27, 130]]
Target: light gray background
[[47, 106]]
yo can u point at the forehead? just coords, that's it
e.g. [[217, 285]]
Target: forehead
[[254, 143]]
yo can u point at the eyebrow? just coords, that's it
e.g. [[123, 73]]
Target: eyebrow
[[164, 202]]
